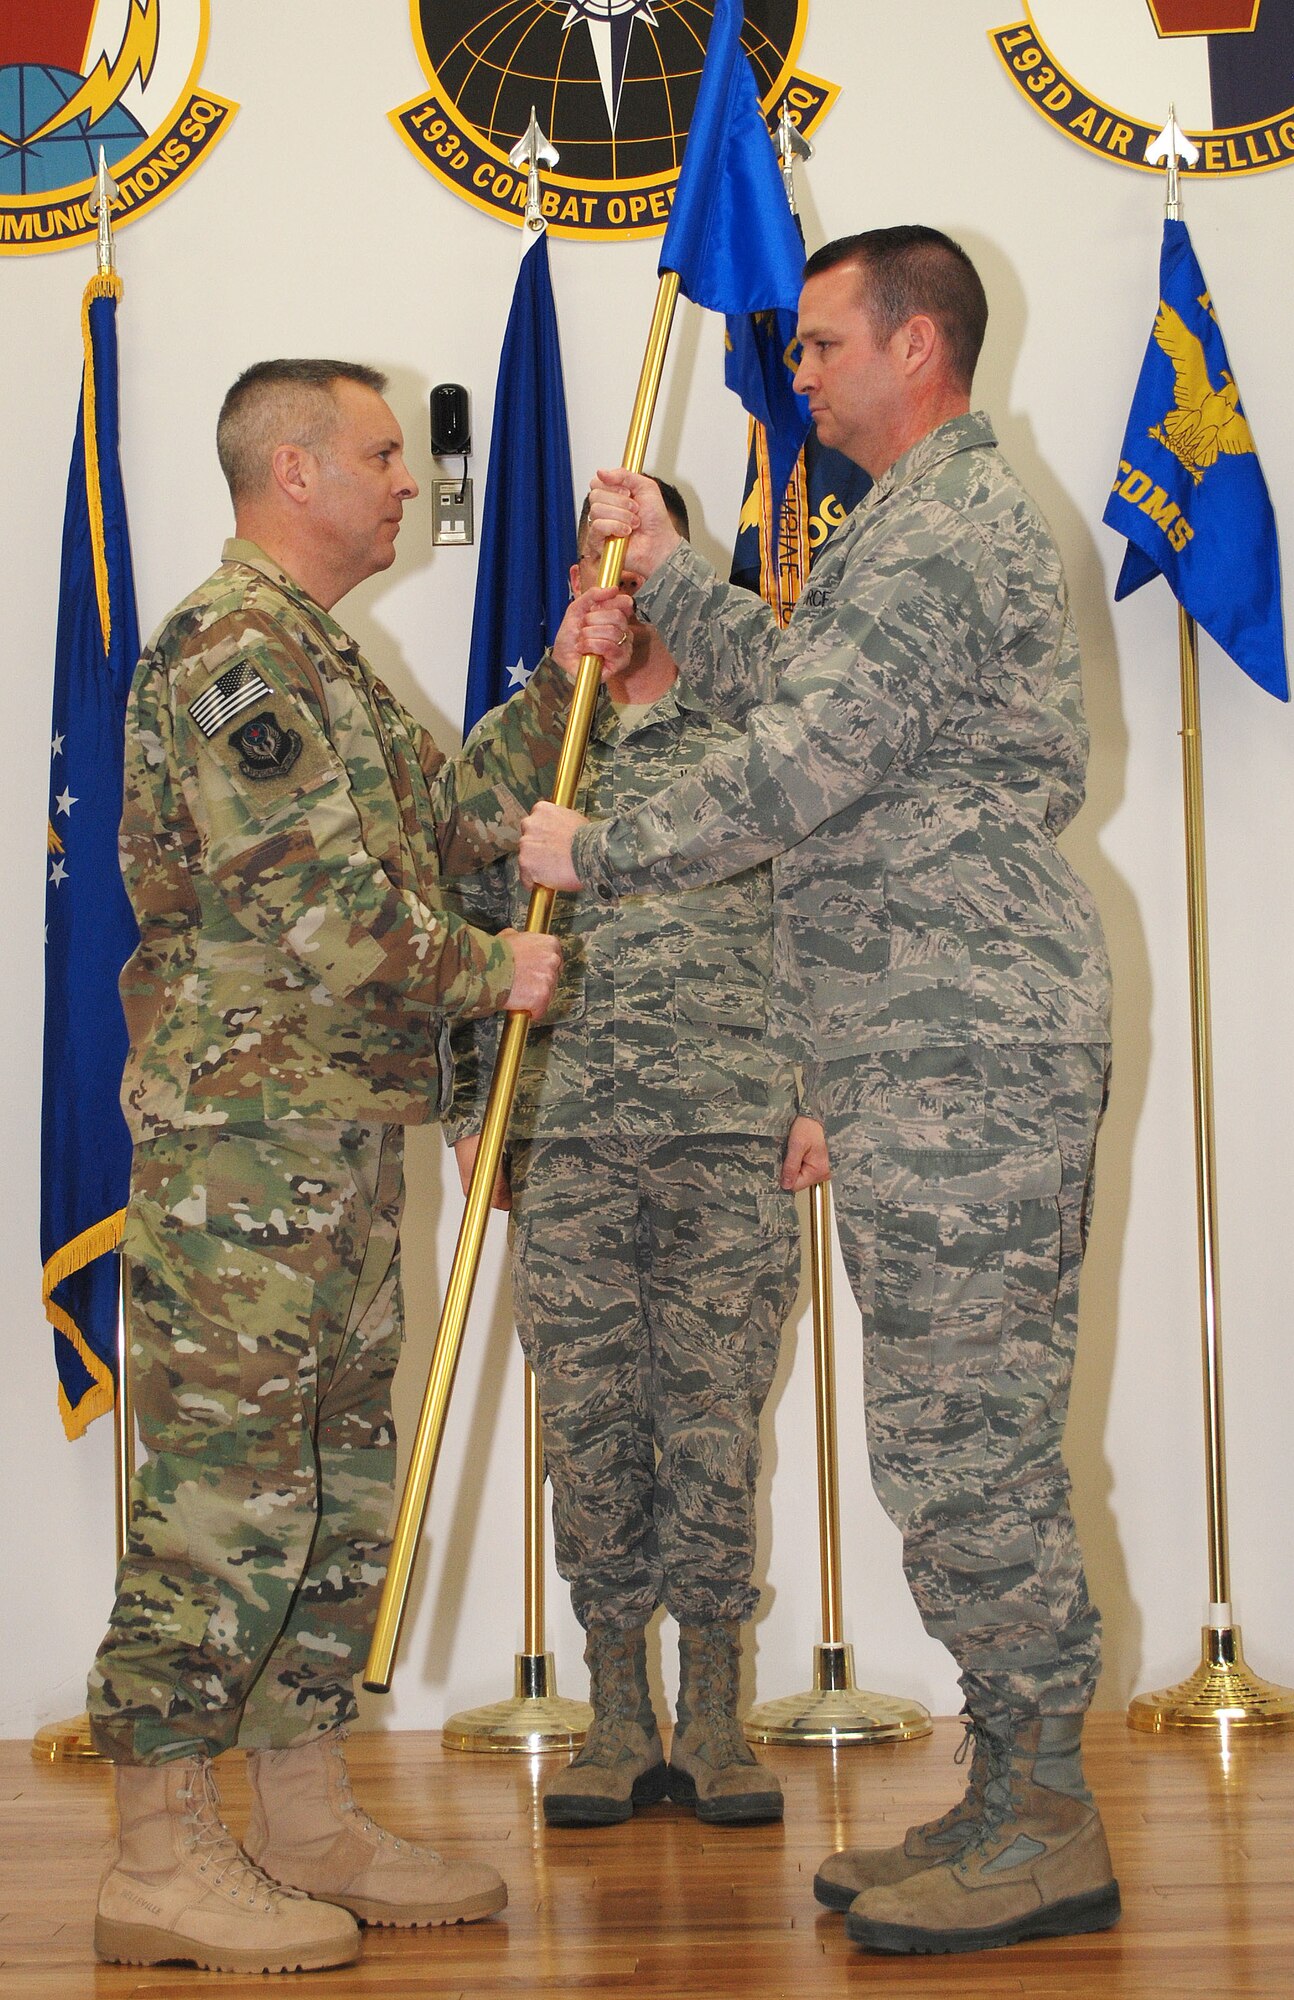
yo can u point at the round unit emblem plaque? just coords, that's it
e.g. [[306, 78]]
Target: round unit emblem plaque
[[612, 82]]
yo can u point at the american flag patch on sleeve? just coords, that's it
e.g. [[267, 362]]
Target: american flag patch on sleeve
[[238, 687]]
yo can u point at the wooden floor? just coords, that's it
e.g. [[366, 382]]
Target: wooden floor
[[662, 1908]]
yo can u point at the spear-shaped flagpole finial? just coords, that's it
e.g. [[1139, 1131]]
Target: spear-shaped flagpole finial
[[533, 150], [100, 204], [1171, 146], [791, 146]]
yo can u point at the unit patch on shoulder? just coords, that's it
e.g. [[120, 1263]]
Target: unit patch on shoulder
[[220, 701], [265, 750]]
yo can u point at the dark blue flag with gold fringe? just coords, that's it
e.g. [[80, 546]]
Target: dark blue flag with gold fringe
[[89, 928], [1190, 494], [528, 516]]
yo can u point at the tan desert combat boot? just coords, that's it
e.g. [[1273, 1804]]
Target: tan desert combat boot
[[307, 1832], [621, 1763], [180, 1889]]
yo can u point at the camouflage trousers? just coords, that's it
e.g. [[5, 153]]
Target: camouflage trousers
[[651, 1280], [963, 1187], [265, 1323]]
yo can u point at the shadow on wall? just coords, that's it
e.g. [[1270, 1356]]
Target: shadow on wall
[[1072, 520]]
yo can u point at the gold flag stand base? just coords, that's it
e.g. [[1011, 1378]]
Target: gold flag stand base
[[60, 1742], [1221, 1694], [835, 1711], [536, 1719]]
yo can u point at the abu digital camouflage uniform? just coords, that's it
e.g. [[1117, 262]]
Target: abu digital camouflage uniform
[[913, 744], [284, 825], [654, 1255]]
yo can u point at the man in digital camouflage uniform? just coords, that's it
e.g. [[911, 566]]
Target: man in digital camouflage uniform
[[285, 823], [913, 744], [654, 1255]]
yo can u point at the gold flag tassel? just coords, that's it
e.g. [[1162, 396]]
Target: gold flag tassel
[[512, 1042], [1222, 1694]]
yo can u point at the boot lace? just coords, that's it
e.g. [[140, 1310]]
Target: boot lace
[[617, 1701], [715, 1671], [970, 1804], [220, 1860], [347, 1803]]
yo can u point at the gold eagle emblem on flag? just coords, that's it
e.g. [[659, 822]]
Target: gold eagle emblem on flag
[[1206, 420]]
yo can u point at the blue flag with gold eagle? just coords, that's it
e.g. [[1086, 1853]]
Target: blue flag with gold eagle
[[89, 928], [1190, 494]]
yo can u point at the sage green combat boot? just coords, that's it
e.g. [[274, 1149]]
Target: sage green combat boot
[[1037, 1865], [845, 1874], [711, 1766], [621, 1763]]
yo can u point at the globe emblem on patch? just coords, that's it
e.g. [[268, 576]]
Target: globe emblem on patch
[[613, 81], [78, 77], [41, 148]]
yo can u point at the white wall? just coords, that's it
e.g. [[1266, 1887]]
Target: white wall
[[312, 229]]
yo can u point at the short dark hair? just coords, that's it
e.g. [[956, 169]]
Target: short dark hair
[[675, 507], [273, 402], [911, 269]]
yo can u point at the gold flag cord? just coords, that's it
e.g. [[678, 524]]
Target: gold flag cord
[[64, 1742], [512, 1042], [834, 1710], [1223, 1692]]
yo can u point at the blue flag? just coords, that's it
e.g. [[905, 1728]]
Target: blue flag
[[89, 928], [528, 515], [1190, 494], [731, 235]]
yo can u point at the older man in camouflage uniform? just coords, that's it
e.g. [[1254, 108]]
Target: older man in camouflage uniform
[[914, 743], [285, 824], [654, 1256]]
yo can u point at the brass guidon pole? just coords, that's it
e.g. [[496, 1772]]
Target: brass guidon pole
[[533, 1453], [1223, 1694], [123, 1414], [824, 1379], [512, 1042], [835, 1710], [1205, 1156]]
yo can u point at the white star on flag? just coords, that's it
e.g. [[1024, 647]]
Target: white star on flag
[[65, 801], [519, 675], [56, 747], [58, 873]]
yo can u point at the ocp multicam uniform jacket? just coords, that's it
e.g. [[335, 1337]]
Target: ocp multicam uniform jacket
[[660, 1026], [284, 825], [914, 742]]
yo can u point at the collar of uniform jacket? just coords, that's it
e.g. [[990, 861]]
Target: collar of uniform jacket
[[677, 699], [250, 556], [958, 434]]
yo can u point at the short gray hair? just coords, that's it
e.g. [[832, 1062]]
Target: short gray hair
[[280, 402]]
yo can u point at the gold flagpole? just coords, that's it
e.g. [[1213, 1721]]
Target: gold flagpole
[[834, 1710], [60, 1741], [537, 1718], [512, 1042], [1222, 1693]]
